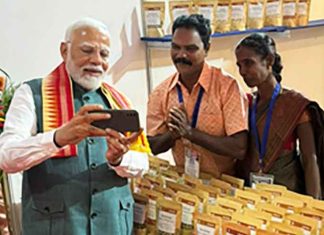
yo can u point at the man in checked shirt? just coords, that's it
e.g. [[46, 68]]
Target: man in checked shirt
[[199, 112]]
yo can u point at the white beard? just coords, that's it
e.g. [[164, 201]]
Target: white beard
[[88, 82]]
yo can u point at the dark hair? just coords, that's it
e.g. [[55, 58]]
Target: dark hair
[[197, 22], [263, 45]]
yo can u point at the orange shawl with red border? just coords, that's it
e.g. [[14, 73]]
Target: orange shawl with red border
[[58, 106]]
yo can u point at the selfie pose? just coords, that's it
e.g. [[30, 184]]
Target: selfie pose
[[74, 174], [278, 118]]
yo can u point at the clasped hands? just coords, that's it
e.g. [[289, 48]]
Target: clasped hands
[[79, 128], [178, 123]]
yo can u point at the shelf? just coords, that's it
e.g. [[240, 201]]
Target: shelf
[[164, 42], [311, 24]]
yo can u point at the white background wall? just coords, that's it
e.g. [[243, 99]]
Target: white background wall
[[32, 30]]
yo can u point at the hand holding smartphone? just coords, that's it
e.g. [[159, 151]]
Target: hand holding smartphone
[[121, 120]]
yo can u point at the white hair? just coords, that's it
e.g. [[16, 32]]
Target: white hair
[[86, 22]]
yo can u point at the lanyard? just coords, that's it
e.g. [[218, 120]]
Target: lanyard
[[262, 148], [197, 105]]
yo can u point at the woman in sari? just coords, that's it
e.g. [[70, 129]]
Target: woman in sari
[[278, 118]]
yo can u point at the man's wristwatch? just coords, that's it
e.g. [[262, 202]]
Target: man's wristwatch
[[117, 162], [54, 140]]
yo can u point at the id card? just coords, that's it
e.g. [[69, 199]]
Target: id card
[[192, 165], [260, 178]]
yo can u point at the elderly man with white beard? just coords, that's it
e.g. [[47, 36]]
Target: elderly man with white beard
[[73, 183]]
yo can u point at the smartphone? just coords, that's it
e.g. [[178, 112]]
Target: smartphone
[[121, 120]]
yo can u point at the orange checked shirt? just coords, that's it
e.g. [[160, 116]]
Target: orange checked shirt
[[223, 112]]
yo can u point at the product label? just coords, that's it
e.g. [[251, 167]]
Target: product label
[[255, 11], [206, 11], [289, 9], [250, 206], [273, 8], [237, 12], [187, 213], [139, 213], [211, 200], [152, 210], [167, 222], [302, 8], [205, 230], [179, 12], [222, 13], [153, 17], [276, 219]]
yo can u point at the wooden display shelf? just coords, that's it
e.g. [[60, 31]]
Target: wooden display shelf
[[311, 24]]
